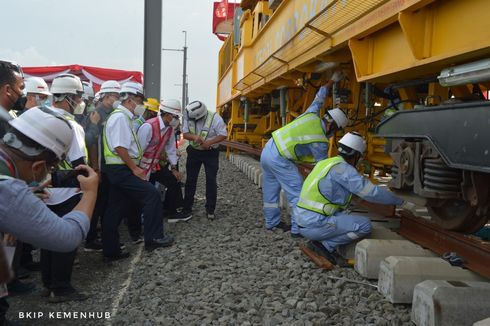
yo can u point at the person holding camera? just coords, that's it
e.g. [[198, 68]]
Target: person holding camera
[[34, 143], [57, 267]]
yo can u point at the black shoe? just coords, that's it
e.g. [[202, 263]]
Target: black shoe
[[45, 292], [180, 217], [95, 245], [33, 266], [166, 241], [122, 246], [283, 226], [64, 297], [319, 249], [22, 273], [296, 235], [136, 238], [121, 255], [17, 287]]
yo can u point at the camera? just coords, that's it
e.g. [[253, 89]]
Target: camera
[[67, 178]]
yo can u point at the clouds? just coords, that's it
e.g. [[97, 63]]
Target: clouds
[[109, 34]]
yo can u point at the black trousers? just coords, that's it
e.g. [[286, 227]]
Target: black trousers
[[126, 187], [100, 207], [57, 267], [196, 158], [4, 307], [173, 196]]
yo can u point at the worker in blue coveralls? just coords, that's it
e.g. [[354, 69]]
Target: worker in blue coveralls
[[326, 193], [304, 140]]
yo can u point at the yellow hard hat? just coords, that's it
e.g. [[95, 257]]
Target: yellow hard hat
[[152, 104]]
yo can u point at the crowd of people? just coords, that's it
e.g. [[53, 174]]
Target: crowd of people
[[74, 163]]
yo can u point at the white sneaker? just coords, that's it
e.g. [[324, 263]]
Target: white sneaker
[[210, 216]]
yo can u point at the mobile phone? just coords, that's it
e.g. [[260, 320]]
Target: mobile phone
[[67, 178]]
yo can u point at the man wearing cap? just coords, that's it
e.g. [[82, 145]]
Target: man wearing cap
[[27, 152], [12, 97], [37, 92], [304, 140], [122, 153], [327, 192], [156, 137], [108, 98]]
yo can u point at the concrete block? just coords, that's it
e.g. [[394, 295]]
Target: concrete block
[[370, 253], [257, 176], [449, 303], [260, 181], [398, 275], [484, 322], [378, 231]]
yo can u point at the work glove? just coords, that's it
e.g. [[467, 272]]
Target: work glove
[[337, 76], [407, 206]]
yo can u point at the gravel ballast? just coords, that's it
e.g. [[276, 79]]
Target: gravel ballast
[[229, 271]]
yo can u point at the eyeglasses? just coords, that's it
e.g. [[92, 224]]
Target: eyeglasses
[[13, 66]]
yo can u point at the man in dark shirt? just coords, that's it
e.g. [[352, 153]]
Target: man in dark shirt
[[11, 95], [109, 94]]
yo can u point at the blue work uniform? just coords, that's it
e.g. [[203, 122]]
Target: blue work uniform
[[279, 172], [340, 228]]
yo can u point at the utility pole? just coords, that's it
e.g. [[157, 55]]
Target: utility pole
[[185, 86], [153, 43]]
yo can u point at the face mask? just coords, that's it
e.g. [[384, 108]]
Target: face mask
[[91, 108], [139, 110], [116, 104], [80, 108], [174, 123], [41, 102]]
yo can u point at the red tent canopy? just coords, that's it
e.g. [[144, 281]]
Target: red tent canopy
[[91, 74]]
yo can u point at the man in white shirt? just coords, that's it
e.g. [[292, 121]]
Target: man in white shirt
[[122, 153], [56, 267], [204, 130], [157, 139]]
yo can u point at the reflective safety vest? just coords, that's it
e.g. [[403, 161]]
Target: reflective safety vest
[[205, 128], [307, 129], [65, 165], [151, 156], [112, 158], [311, 198]]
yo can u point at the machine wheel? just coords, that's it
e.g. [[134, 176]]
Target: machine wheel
[[457, 215]]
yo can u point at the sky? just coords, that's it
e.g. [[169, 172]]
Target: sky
[[109, 34]]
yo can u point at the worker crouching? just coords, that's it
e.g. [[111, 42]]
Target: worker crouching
[[327, 192]]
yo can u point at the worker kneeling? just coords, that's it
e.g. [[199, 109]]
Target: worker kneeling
[[328, 190], [304, 140]]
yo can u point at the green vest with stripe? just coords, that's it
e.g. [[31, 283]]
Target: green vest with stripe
[[205, 128], [65, 165], [307, 129], [112, 158], [311, 198]]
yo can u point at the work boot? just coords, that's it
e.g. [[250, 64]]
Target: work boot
[[95, 245], [119, 256], [65, 297], [320, 250], [282, 226], [166, 241]]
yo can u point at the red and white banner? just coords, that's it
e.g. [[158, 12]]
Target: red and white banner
[[94, 75]]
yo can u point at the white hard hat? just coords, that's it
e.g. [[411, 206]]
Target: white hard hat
[[67, 84], [354, 141], [339, 117], [196, 110], [132, 88], [171, 106], [88, 91], [36, 85], [46, 127], [110, 86]]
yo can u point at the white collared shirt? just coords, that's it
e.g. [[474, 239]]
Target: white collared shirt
[[144, 136], [119, 131], [218, 127]]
